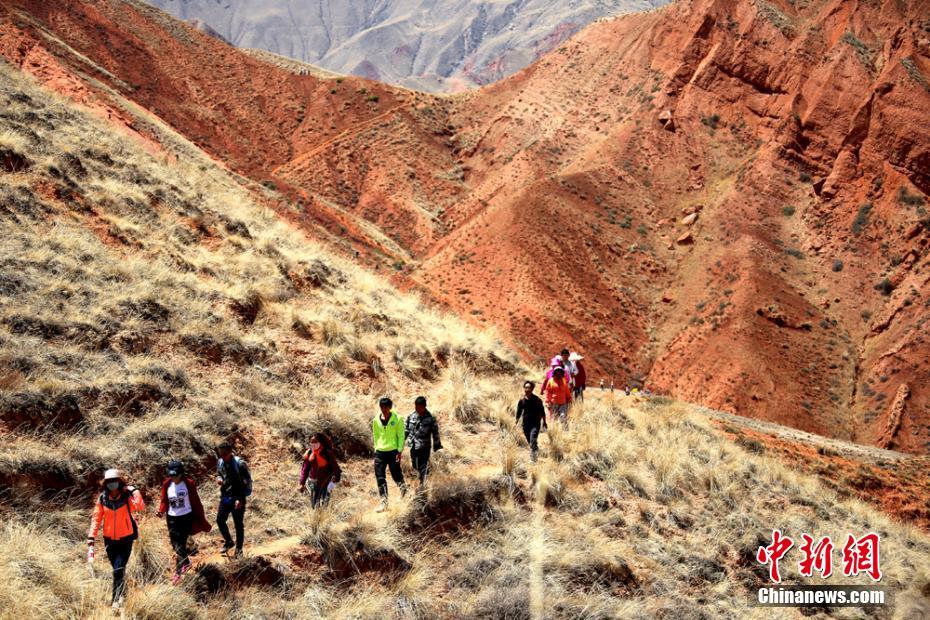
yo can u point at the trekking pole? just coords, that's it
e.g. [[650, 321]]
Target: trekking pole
[[90, 561]]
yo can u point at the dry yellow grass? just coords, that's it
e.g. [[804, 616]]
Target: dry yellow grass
[[150, 309]]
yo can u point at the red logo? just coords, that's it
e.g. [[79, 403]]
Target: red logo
[[860, 555], [817, 557], [773, 553]]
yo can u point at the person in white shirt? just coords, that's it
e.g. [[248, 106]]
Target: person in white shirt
[[181, 506]]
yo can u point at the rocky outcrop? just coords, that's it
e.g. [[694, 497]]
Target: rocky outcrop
[[893, 418]]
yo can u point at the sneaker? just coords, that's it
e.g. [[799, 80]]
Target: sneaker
[[238, 553], [381, 506], [176, 579], [226, 547], [117, 604]]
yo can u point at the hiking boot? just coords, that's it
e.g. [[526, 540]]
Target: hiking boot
[[382, 506], [176, 579], [117, 604], [238, 553], [224, 550], [533, 456]]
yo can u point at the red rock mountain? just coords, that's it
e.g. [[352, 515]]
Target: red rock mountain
[[725, 198]]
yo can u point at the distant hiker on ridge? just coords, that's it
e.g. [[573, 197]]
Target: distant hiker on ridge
[[530, 408], [113, 513], [387, 431], [235, 482], [320, 468], [183, 510], [422, 432], [558, 395]]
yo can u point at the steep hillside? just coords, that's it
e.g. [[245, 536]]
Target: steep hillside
[[422, 44], [723, 198], [740, 187], [152, 305]]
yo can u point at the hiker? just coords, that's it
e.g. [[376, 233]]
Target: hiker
[[235, 482], [183, 510], [422, 431], [581, 376], [570, 370], [387, 431], [113, 513], [602, 385], [558, 394], [531, 409], [320, 468], [556, 362]]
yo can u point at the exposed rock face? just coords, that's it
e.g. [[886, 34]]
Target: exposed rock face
[[894, 418], [433, 45], [548, 204]]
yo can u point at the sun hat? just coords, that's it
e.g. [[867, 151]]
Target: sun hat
[[574, 357], [112, 474]]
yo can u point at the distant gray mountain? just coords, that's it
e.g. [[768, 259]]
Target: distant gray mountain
[[434, 45]]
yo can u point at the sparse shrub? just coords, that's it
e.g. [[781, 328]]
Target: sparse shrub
[[837, 265], [885, 287], [804, 177], [862, 218], [787, 211], [911, 200], [712, 121]]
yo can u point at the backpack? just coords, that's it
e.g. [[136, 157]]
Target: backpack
[[245, 480]]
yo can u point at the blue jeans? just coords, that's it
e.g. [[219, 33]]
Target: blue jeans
[[226, 508]]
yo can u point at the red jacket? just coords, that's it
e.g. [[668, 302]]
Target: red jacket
[[321, 467], [581, 377], [200, 520]]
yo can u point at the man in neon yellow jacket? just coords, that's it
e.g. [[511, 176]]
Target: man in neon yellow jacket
[[387, 430]]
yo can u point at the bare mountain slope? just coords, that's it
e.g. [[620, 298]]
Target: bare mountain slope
[[425, 44]]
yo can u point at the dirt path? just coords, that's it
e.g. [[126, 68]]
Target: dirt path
[[356, 129], [846, 449]]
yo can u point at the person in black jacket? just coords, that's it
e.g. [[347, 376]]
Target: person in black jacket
[[421, 428], [531, 409]]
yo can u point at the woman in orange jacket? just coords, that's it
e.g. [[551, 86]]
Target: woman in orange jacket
[[113, 513], [558, 394]]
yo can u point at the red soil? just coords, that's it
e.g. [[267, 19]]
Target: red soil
[[551, 205], [899, 488]]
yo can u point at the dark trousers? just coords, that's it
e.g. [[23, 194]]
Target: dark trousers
[[388, 460], [179, 530], [578, 393], [227, 507], [118, 552], [419, 458], [532, 437], [319, 496]]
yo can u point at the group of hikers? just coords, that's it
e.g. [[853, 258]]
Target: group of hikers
[[118, 504], [565, 382]]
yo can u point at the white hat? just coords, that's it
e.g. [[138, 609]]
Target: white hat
[[574, 357], [112, 474]]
